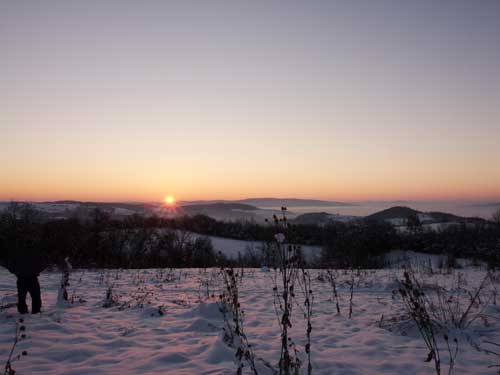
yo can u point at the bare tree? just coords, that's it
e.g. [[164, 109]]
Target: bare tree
[[496, 217]]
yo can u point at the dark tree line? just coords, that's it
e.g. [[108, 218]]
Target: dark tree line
[[362, 243], [359, 244], [477, 241], [141, 242], [136, 242]]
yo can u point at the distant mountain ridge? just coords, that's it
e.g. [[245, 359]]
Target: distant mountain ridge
[[219, 206], [292, 202], [493, 204], [276, 202], [254, 209]]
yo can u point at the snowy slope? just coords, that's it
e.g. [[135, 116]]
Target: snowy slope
[[86, 338]]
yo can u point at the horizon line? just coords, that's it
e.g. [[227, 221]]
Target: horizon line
[[492, 200]]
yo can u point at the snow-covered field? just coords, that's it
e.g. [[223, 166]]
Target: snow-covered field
[[163, 323], [232, 248]]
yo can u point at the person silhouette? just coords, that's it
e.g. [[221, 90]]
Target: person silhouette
[[21, 254], [26, 266]]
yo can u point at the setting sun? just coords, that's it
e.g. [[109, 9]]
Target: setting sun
[[169, 200]]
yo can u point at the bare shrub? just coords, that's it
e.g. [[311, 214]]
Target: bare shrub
[[111, 299], [306, 286], [63, 297], [234, 334], [285, 276], [420, 308], [206, 278], [332, 278], [461, 307], [495, 217], [351, 293], [493, 352], [19, 335]]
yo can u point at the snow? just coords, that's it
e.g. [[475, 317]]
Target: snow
[[397, 221], [343, 218], [399, 258], [120, 211], [48, 207], [163, 323], [232, 248], [440, 226], [436, 227], [423, 217], [55, 207]]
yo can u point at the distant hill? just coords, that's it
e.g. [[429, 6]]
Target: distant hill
[[320, 218], [444, 217], [291, 202], [400, 214], [313, 218], [397, 212]]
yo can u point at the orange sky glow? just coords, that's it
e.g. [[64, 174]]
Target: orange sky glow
[[227, 101]]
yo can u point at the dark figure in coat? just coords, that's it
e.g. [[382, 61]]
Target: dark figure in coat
[[20, 253], [27, 268]]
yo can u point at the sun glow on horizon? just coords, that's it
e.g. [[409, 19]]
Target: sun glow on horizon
[[396, 111]]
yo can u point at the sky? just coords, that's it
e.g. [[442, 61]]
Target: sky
[[343, 100]]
